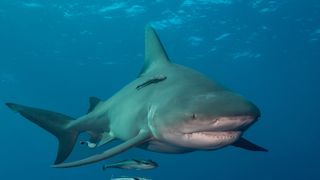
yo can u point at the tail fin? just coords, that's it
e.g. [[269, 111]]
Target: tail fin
[[53, 122]]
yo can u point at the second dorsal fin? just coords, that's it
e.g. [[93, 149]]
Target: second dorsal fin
[[93, 101]]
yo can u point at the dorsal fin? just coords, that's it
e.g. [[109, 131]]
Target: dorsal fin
[[155, 54], [93, 101]]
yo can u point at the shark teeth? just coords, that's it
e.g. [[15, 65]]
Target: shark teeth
[[214, 135], [210, 139]]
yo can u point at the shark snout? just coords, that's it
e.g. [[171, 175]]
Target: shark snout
[[241, 114], [228, 104], [225, 111], [233, 123], [251, 110], [249, 115]]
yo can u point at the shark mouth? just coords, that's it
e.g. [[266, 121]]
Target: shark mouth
[[217, 135], [210, 134], [210, 139]]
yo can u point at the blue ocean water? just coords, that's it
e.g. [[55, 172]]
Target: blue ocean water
[[55, 54]]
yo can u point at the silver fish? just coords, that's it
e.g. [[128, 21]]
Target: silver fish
[[132, 164], [130, 178]]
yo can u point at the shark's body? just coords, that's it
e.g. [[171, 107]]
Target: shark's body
[[168, 108]]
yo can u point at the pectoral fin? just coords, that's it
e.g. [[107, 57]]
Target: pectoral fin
[[137, 140], [245, 144], [93, 101]]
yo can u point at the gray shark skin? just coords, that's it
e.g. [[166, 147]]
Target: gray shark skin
[[169, 108]]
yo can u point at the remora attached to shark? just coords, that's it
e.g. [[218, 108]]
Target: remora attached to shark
[[169, 108]]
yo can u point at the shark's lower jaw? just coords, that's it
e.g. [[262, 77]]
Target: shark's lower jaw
[[209, 134], [209, 139], [202, 140]]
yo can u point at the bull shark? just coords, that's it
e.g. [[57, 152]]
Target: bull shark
[[168, 108]]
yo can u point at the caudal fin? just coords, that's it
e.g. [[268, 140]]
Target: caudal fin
[[55, 123]]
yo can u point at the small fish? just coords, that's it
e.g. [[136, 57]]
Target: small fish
[[155, 79], [89, 144], [132, 164], [130, 178]]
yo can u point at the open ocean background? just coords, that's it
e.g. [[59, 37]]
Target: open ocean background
[[55, 54]]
